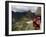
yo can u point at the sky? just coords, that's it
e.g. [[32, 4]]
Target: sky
[[20, 8]]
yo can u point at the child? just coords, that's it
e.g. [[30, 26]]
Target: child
[[37, 22]]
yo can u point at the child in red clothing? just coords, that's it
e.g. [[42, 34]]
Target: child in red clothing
[[37, 22]]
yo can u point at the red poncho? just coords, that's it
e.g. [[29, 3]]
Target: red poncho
[[37, 22]]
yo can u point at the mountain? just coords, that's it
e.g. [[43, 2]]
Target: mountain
[[18, 15], [20, 19]]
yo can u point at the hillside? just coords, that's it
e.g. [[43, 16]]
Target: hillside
[[21, 19]]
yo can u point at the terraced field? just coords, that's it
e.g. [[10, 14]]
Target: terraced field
[[23, 24]]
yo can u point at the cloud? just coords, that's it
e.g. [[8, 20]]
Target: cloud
[[20, 8]]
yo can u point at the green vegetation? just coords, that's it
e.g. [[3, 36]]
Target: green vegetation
[[21, 24]]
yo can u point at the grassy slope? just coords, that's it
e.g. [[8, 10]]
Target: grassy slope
[[22, 25]]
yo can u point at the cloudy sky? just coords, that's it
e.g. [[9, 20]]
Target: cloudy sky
[[20, 8]]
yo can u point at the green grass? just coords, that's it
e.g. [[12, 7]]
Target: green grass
[[21, 24]]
